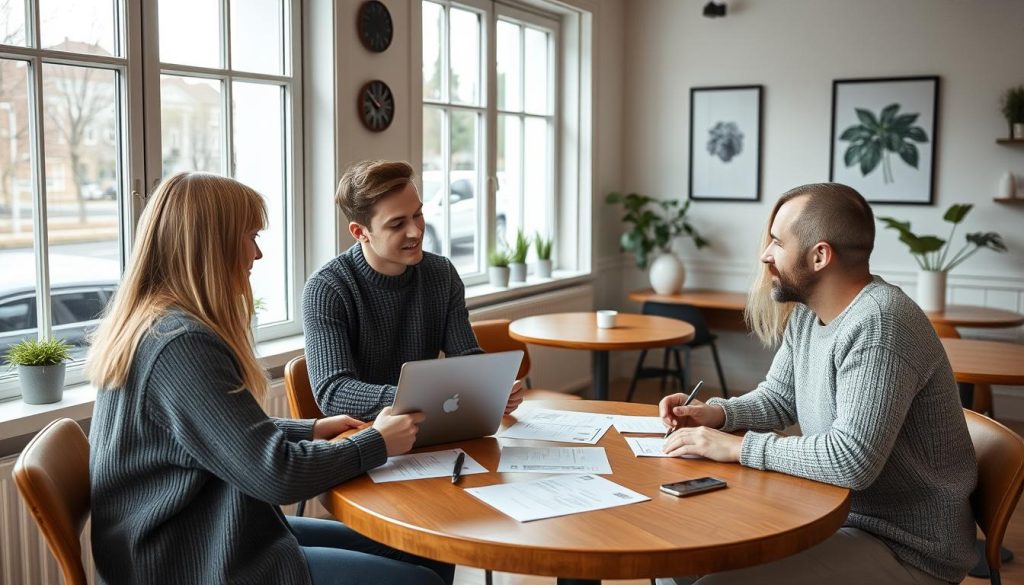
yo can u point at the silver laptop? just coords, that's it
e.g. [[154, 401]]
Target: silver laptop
[[463, 397]]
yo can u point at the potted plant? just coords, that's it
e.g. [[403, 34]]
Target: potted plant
[[1013, 111], [543, 248], [40, 368], [497, 270], [932, 254], [517, 257], [653, 225]]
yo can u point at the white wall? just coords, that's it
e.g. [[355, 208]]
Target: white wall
[[795, 48]]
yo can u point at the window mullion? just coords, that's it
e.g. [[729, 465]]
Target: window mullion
[[39, 209]]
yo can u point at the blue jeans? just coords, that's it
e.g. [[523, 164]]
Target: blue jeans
[[338, 555]]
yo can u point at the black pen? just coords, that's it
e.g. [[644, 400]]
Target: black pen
[[457, 470], [689, 399]]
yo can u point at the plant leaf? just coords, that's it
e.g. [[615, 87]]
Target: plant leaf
[[613, 198], [916, 134], [990, 240], [870, 158], [855, 133], [888, 113], [904, 120], [957, 212], [922, 245], [901, 226], [908, 152], [866, 118], [853, 154]]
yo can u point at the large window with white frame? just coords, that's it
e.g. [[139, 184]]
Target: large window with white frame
[[77, 151], [489, 128]]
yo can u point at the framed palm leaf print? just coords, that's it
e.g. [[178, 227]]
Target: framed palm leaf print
[[884, 137]]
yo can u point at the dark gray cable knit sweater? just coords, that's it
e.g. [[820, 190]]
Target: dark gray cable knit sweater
[[880, 414], [187, 471], [361, 326]]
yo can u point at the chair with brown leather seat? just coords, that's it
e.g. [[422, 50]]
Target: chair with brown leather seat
[[492, 335], [1000, 454], [301, 403], [52, 474]]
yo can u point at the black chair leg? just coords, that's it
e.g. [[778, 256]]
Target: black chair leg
[[664, 371], [636, 376], [718, 366], [488, 577], [301, 509], [680, 372], [686, 369]]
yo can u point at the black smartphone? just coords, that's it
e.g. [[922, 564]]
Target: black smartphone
[[693, 486]]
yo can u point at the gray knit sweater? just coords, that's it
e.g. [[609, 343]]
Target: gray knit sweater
[[880, 414], [187, 471], [361, 326]]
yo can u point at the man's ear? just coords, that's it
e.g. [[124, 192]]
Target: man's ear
[[822, 255], [358, 231]]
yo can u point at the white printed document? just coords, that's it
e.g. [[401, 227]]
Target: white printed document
[[423, 465], [542, 424], [554, 460], [555, 496], [651, 447], [639, 424]]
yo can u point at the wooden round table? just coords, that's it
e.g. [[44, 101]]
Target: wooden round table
[[975, 361], [762, 516], [946, 322], [580, 331], [722, 309]]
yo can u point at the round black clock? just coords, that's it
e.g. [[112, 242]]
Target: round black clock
[[376, 105], [375, 26]]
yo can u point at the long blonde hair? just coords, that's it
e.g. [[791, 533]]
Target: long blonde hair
[[188, 254]]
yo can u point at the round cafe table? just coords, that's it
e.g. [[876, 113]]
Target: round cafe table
[[976, 361], [580, 331], [760, 517], [946, 322]]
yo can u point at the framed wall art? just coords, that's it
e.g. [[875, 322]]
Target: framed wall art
[[884, 137], [725, 143]]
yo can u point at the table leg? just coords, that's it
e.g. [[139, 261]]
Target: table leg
[[562, 581], [966, 394], [599, 364]]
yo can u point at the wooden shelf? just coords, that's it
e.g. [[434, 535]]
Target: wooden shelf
[[1010, 141], [1010, 200]]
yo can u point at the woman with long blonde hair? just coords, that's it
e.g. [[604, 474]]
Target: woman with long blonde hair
[[187, 471]]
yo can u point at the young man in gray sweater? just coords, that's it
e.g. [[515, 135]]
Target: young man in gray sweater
[[384, 301], [862, 372]]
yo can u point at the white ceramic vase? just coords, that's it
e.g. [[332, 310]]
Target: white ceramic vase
[[1007, 185], [42, 384], [544, 268], [517, 271], [667, 274], [498, 275], [1018, 131], [931, 291]]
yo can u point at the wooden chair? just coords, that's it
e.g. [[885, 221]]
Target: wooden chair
[[1000, 454], [301, 403], [52, 474], [492, 335]]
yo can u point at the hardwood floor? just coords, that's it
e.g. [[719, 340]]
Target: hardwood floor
[[648, 391]]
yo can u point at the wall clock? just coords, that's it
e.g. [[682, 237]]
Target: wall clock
[[376, 105], [375, 26]]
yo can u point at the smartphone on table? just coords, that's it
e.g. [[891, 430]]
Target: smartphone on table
[[693, 486]]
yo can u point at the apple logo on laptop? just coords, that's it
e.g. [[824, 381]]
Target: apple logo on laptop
[[451, 405]]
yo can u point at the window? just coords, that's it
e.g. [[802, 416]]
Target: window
[[467, 140]]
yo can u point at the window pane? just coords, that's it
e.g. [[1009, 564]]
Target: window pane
[[463, 192], [81, 129], [433, 169], [510, 168], [465, 57], [18, 284], [259, 141], [190, 32], [509, 80], [536, 58], [190, 124], [433, 32], [536, 176], [82, 26], [12, 22], [257, 36]]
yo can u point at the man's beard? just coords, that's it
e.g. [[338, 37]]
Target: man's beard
[[797, 290]]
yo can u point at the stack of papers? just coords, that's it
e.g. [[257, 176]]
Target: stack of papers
[[554, 460], [555, 496], [423, 465], [651, 447], [648, 425], [558, 425]]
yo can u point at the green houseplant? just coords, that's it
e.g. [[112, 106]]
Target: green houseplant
[[543, 249], [41, 368], [517, 257], [1013, 111], [932, 254], [652, 225], [497, 270]]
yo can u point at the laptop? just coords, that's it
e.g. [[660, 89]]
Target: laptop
[[463, 397]]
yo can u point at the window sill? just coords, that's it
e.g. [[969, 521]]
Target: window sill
[[481, 295]]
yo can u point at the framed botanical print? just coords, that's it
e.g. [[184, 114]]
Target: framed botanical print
[[725, 143], [884, 137]]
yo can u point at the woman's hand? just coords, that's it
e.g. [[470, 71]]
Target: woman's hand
[[332, 426], [697, 414], [399, 430], [710, 443], [515, 397]]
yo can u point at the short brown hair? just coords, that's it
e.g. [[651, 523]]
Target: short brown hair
[[836, 214], [367, 182]]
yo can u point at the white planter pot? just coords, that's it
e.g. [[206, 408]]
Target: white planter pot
[[517, 271], [498, 275], [544, 268], [41, 384], [1018, 131], [1007, 186], [931, 291], [667, 274]]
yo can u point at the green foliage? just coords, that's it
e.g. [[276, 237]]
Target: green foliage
[[32, 352], [653, 224], [875, 139], [931, 252], [542, 247], [1013, 105], [259, 305], [499, 258], [517, 255]]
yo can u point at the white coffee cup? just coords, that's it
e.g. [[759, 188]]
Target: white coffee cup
[[606, 319]]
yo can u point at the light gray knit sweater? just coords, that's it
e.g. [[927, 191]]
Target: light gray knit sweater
[[187, 470], [878, 407]]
